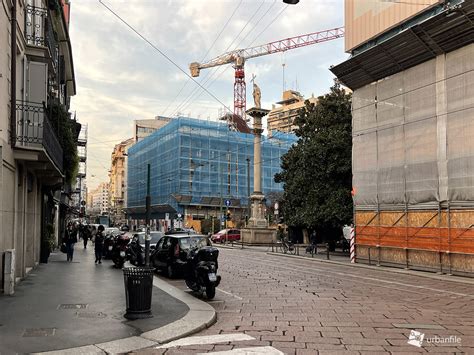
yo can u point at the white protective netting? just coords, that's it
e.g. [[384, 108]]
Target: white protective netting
[[413, 135]]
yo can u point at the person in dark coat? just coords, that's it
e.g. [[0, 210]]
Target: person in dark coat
[[99, 244], [70, 238]]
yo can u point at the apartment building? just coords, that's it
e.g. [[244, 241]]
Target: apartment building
[[282, 117], [118, 181], [36, 83]]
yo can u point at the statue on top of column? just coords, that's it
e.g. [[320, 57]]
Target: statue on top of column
[[257, 94]]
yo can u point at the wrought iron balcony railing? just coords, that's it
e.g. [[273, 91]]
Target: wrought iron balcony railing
[[34, 131], [39, 31]]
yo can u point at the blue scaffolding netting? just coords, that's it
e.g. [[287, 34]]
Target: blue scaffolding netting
[[192, 161]]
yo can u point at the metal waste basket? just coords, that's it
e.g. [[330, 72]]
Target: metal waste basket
[[138, 290]]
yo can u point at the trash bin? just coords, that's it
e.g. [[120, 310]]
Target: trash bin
[[138, 289]]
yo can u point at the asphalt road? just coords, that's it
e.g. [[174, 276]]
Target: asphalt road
[[299, 306]]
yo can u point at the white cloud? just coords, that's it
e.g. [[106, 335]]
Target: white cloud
[[121, 78]]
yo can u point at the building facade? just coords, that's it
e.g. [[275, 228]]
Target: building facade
[[413, 152], [98, 200], [37, 75], [281, 118], [196, 166], [143, 128], [118, 180]]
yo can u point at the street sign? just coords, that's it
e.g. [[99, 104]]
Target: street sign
[[227, 203], [83, 203], [179, 215]]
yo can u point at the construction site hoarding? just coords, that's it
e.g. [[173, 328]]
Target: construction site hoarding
[[413, 164], [365, 19]]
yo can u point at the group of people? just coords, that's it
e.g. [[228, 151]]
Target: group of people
[[74, 231]]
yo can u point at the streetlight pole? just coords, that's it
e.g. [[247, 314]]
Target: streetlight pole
[[148, 213]]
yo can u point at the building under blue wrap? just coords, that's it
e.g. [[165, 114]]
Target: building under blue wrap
[[197, 165]]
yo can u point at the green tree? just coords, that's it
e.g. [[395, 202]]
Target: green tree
[[67, 131], [317, 171]]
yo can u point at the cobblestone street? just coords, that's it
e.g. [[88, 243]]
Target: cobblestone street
[[299, 306]]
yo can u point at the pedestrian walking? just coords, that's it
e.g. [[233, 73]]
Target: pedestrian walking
[[85, 235], [99, 244], [70, 239]]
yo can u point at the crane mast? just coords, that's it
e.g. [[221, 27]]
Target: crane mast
[[239, 56]]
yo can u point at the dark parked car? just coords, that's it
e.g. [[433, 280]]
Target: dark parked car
[[171, 252], [230, 235]]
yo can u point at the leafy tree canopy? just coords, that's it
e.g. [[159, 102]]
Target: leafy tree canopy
[[317, 170]]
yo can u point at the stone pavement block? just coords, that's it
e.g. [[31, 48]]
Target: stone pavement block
[[404, 349], [220, 347], [288, 345], [339, 324], [306, 352], [365, 348], [320, 328], [311, 339], [285, 338], [251, 343], [292, 317], [445, 350], [319, 346], [180, 352], [336, 352], [333, 334], [364, 341]]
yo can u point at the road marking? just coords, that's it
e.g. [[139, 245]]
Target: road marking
[[230, 294], [266, 350], [207, 339]]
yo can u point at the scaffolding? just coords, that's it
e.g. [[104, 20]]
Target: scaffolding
[[199, 163]]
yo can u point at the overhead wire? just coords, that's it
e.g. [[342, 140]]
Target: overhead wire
[[205, 55], [195, 92], [161, 52]]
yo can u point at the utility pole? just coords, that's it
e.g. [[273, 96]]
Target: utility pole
[[148, 213]]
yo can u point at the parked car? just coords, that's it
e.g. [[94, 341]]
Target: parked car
[[230, 235], [171, 252], [155, 238], [112, 231]]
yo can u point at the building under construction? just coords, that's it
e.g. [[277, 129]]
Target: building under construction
[[412, 72], [196, 166]]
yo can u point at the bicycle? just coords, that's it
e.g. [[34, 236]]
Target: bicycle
[[287, 247]]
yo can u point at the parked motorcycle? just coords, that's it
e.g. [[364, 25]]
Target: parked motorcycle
[[135, 252], [109, 242], [201, 270], [119, 250]]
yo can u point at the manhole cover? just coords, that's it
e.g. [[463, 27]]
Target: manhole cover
[[72, 306], [39, 332], [91, 314]]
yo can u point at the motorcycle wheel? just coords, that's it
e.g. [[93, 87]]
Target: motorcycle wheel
[[119, 263], [190, 284], [210, 291]]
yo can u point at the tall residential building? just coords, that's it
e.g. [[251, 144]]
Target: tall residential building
[[36, 83], [411, 71], [143, 128], [98, 200], [282, 118], [118, 181]]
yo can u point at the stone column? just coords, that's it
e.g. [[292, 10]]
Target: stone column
[[257, 212]]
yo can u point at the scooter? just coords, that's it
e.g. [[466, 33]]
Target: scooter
[[135, 252], [109, 242], [201, 270], [119, 250]]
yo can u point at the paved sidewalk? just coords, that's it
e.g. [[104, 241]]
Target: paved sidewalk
[[62, 305]]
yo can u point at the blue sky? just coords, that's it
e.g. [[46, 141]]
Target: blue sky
[[120, 77]]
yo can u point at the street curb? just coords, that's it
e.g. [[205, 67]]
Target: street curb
[[200, 316], [450, 278]]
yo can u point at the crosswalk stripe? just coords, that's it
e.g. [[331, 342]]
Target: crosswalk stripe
[[207, 339], [262, 350]]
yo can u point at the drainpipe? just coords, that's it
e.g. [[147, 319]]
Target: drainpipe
[[13, 75]]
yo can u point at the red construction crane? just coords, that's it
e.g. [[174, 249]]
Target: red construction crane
[[239, 56]]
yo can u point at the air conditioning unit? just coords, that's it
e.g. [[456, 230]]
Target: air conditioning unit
[[9, 272]]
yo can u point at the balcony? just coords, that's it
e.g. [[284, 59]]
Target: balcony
[[39, 32], [34, 133]]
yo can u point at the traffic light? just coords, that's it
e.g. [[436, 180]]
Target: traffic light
[[227, 215]]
